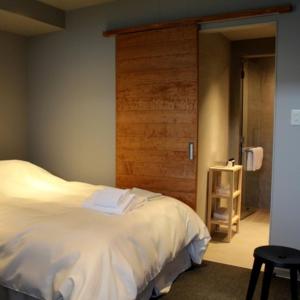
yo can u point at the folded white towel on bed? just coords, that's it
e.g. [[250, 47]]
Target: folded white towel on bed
[[113, 201], [109, 197], [144, 193]]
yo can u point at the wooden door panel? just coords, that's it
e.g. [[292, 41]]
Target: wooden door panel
[[158, 169], [155, 63], [175, 90], [157, 103], [157, 95], [162, 130], [179, 34], [159, 183], [151, 156], [153, 143], [135, 117]]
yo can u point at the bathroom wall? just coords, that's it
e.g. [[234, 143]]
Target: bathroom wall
[[259, 87], [239, 49], [214, 71], [252, 198]]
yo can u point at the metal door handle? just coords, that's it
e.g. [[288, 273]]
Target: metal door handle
[[191, 151]]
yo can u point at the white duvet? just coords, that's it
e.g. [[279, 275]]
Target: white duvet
[[50, 246]]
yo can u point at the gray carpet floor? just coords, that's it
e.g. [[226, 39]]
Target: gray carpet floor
[[214, 281]]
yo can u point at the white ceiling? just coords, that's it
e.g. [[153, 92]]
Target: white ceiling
[[73, 4]]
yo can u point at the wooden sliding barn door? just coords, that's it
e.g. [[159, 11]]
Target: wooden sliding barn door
[[157, 83]]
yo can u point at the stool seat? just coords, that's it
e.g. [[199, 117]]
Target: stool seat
[[279, 256], [272, 257]]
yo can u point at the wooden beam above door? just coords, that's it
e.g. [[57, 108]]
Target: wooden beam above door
[[249, 13]]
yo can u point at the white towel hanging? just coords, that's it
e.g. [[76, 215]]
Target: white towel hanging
[[254, 158]]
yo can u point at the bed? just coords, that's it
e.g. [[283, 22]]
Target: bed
[[53, 248]]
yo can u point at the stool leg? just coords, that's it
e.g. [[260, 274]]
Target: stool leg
[[266, 281], [294, 284], [253, 279]]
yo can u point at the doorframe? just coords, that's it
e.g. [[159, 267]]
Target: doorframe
[[218, 27]]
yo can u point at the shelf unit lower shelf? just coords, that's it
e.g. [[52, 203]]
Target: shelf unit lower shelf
[[235, 194], [234, 220]]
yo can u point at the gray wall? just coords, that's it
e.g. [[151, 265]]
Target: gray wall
[[259, 86], [72, 101], [13, 97], [214, 72], [72, 95]]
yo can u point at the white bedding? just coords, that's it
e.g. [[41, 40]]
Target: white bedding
[[51, 246]]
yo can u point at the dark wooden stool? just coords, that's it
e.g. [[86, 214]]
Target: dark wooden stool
[[274, 256]]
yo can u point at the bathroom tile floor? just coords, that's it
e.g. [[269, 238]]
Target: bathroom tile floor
[[254, 232]]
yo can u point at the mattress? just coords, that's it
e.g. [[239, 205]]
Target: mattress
[[53, 248]]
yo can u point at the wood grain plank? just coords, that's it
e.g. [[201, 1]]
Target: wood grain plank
[[173, 90], [145, 117], [158, 76], [155, 63], [152, 156], [157, 103], [168, 169], [164, 49], [177, 35], [156, 184], [154, 143], [162, 130]]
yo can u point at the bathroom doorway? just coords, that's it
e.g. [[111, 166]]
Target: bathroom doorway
[[236, 111], [257, 92]]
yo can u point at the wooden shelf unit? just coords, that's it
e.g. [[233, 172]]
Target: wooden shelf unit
[[233, 199]]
